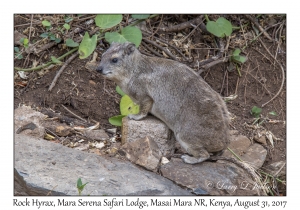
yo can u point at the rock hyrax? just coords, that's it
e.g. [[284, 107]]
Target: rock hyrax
[[175, 94]]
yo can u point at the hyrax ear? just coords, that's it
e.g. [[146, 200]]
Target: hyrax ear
[[129, 48]]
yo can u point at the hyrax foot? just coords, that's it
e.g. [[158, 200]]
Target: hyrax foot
[[136, 116], [193, 160]]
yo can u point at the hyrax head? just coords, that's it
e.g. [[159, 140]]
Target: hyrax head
[[117, 61]]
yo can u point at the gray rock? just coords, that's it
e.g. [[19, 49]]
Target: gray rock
[[210, 178], [255, 155], [238, 144], [143, 152], [44, 167], [25, 115], [153, 128], [97, 135]]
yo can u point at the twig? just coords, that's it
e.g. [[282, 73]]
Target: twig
[[25, 24], [61, 70], [45, 47], [79, 20], [227, 84], [259, 27], [146, 53], [30, 29], [53, 133], [237, 85], [151, 50], [174, 47], [255, 38], [206, 64], [243, 31], [257, 80], [161, 48], [182, 40], [187, 24], [215, 62], [64, 119], [73, 114], [157, 27], [282, 71], [279, 169], [223, 81]]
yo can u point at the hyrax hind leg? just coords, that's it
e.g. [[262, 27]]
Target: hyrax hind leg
[[199, 154], [202, 155]]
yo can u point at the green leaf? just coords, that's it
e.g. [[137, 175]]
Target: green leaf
[[236, 57], [46, 23], [22, 40], [44, 35], [82, 186], [26, 41], [66, 26], [116, 120], [16, 49], [128, 34], [132, 34], [240, 59], [120, 91], [127, 106], [256, 111], [108, 21], [87, 45], [236, 52], [19, 55], [52, 37], [79, 182], [220, 28], [273, 113], [55, 60], [71, 43], [68, 19], [57, 40], [136, 16], [114, 37]]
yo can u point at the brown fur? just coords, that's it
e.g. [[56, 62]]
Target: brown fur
[[174, 93]]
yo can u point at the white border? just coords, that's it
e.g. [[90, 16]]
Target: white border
[[160, 7]]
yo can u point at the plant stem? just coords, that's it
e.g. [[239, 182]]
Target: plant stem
[[238, 69], [272, 177], [254, 39], [206, 18], [47, 64], [234, 154]]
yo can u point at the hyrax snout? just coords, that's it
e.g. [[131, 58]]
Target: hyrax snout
[[175, 94]]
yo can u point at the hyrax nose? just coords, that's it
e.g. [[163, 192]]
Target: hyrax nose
[[99, 69]]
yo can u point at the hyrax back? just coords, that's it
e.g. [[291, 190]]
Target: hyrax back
[[174, 93]]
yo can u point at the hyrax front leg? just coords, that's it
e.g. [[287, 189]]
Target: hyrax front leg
[[145, 107]]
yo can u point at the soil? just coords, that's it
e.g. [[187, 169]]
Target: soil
[[89, 96]]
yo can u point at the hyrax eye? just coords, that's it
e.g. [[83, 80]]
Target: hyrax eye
[[114, 60]]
